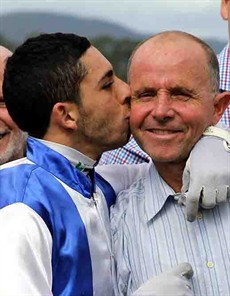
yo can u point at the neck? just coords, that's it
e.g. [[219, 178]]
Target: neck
[[171, 173], [71, 142]]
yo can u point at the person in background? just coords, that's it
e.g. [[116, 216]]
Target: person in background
[[12, 139], [174, 82], [224, 61]]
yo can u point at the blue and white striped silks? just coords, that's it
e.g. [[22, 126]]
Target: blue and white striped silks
[[78, 222]]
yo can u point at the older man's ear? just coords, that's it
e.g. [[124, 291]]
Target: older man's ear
[[222, 101]]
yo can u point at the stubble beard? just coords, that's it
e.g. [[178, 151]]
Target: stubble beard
[[15, 148]]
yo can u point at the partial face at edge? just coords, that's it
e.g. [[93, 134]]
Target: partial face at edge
[[11, 137]]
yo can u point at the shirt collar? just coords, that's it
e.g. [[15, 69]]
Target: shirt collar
[[75, 157], [158, 191], [223, 52], [133, 148], [59, 166]]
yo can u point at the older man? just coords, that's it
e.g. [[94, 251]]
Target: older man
[[12, 139], [175, 86], [131, 152]]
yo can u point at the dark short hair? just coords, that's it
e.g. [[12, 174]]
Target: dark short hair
[[42, 71]]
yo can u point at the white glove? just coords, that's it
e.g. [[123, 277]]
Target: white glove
[[206, 178], [174, 282]]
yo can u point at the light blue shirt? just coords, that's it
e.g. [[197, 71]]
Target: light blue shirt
[[151, 234]]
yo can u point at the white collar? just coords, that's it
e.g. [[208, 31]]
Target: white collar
[[76, 158]]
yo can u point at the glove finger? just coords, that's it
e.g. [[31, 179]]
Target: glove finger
[[182, 199], [186, 282], [192, 204], [208, 199], [186, 178], [183, 269], [221, 194], [184, 286]]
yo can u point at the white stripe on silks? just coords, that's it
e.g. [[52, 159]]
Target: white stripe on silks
[[97, 228]]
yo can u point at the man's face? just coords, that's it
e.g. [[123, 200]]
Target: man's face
[[225, 12], [104, 110], [11, 137], [172, 103]]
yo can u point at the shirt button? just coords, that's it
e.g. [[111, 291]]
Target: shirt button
[[199, 215], [210, 264]]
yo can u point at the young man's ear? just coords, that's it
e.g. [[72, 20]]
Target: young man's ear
[[65, 115], [224, 9], [221, 102]]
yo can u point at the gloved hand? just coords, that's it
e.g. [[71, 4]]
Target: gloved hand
[[206, 178], [170, 283]]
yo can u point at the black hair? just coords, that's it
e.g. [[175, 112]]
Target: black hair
[[42, 71]]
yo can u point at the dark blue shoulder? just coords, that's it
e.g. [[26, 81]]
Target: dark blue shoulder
[[13, 180], [107, 189]]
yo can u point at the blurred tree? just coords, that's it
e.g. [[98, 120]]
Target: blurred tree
[[117, 51], [6, 43], [12, 45]]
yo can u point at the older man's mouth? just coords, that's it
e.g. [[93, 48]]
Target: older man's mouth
[[165, 134], [165, 131]]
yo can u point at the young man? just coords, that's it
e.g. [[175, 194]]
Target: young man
[[54, 217], [12, 139], [174, 99]]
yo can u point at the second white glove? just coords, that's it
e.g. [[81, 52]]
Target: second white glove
[[174, 282]]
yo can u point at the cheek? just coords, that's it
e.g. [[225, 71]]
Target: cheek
[[138, 114], [5, 117], [196, 123], [196, 112], [199, 116]]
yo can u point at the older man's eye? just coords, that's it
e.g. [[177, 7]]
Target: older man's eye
[[182, 96], [146, 96]]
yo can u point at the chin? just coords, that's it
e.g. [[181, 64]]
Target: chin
[[119, 143], [164, 157]]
